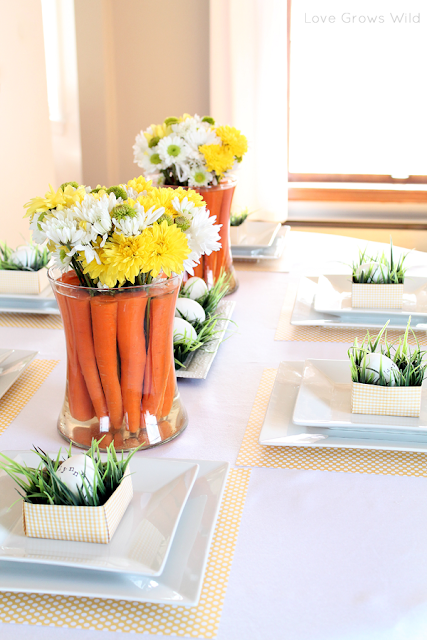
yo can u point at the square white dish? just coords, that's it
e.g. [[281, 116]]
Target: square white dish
[[12, 363], [43, 302], [181, 580], [143, 538], [278, 430], [254, 234], [198, 366], [324, 400], [273, 252], [305, 315], [333, 295]]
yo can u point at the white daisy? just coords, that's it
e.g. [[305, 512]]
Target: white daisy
[[150, 216], [38, 234], [200, 136], [96, 213], [140, 147], [61, 259], [185, 208], [63, 229], [199, 177], [186, 126], [172, 150], [203, 235], [150, 161]]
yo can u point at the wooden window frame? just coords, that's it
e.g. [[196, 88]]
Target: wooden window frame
[[297, 190]]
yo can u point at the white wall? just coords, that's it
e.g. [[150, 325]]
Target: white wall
[[26, 161]]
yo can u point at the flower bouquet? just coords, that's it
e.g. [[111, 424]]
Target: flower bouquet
[[387, 379], [194, 152], [24, 270], [117, 253], [388, 277], [56, 494]]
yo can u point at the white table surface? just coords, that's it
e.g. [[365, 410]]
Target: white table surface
[[320, 555]]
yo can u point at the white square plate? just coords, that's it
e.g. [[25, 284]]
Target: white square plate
[[333, 295], [278, 430], [305, 315], [143, 538], [181, 580], [43, 302], [324, 400], [254, 234], [273, 252], [12, 363]]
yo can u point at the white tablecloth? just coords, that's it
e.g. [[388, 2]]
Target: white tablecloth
[[320, 555]]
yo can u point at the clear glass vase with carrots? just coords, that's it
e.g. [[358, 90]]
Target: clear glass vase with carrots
[[119, 253]]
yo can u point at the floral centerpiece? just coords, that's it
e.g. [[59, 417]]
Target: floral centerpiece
[[191, 151], [117, 253], [387, 275], [387, 378]]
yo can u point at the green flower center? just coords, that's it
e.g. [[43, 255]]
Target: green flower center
[[123, 211], [174, 150], [199, 177], [166, 217], [62, 254], [170, 121], [119, 192], [209, 120], [153, 142], [182, 223], [65, 184], [155, 159]]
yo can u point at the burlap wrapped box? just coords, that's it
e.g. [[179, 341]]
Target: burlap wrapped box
[[376, 400], [376, 296], [79, 524]]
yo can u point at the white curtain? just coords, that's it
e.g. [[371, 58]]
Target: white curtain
[[248, 89]]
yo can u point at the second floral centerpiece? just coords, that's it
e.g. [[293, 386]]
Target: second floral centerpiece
[[118, 254]]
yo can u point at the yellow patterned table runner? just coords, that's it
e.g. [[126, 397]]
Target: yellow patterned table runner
[[31, 320], [401, 463], [134, 617], [286, 331], [23, 389]]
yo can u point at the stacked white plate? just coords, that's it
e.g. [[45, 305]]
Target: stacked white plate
[[158, 553], [310, 406], [326, 301], [256, 240]]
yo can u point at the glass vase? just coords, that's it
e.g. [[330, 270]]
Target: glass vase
[[121, 384], [218, 201]]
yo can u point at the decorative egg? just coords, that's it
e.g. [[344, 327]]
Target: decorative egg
[[195, 287], [373, 362], [23, 256], [72, 469], [190, 310], [375, 273], [183, 330]]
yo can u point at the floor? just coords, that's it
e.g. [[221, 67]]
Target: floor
[[408, 238]]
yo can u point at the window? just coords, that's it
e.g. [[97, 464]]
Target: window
[[357, 97]]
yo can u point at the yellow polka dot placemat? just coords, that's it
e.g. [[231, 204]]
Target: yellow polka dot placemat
[[252, 454], [201, 621], [23, 389], [286, 331], [31, 320]]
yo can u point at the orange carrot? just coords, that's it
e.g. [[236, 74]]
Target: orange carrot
[[131, 339], [79, 308], [169, 392], [104, 323], [162, 309], [78, 396]]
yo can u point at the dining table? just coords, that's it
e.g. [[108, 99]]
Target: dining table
[[327, 553]]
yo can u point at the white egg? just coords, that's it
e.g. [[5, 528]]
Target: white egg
[[183, 330], [71, 470], [190, 310], [195, 287], [23, 256], [373, 361], [375, 273]]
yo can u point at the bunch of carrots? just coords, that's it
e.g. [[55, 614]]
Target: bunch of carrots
[[120, 354]]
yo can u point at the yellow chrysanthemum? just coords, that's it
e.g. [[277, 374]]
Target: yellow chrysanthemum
[[159, 197], [55, 200], [158, 131], [141, 184], [192, 196], [167, 248], [218, 158], [236, 141], [122, 259]]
